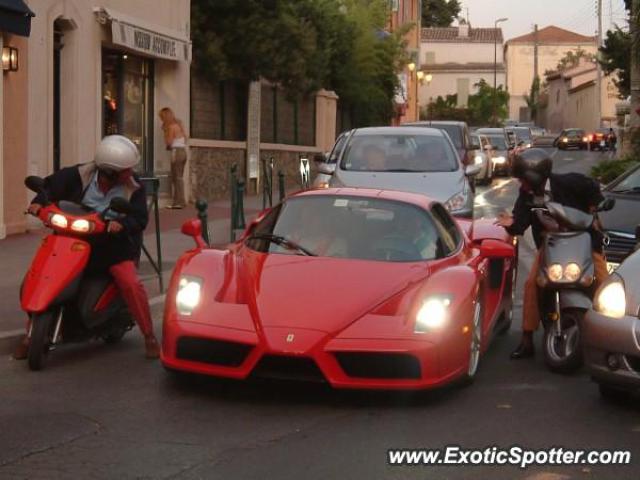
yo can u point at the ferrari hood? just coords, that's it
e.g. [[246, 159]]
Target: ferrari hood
[[318, 293]]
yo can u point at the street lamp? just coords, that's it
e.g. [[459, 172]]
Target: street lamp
[[495, 63]]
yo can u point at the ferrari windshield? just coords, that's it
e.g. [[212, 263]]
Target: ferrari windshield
[[400, 153], [347, 227]]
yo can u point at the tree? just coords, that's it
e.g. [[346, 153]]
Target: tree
[[439, 13], [572, 58], [615, 56], [533, 98]]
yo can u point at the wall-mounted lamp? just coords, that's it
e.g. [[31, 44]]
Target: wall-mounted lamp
[[9, 59], [411, 66]]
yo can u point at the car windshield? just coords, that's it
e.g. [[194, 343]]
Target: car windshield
[[523, 133], [399, 153], [630, 183], [498, 142], [574, 133], [454, 132], [348, 227]]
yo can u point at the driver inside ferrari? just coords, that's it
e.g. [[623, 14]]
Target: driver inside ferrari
[[94, 185]]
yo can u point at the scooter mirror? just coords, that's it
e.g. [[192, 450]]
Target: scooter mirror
[[34, 183], [607, 205], [120, 205]]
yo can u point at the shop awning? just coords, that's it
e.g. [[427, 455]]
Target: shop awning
[[143, 37], [15, 17]]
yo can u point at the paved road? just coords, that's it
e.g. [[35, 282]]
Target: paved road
[[105, 412]]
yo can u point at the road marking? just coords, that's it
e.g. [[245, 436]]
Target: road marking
[[11, 334]]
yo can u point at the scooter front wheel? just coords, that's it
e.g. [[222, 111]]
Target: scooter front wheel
[[561, 347], [40, 340]]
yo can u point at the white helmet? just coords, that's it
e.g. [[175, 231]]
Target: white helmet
[[116, 152]]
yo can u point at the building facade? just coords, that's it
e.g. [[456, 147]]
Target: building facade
[[407, 12], [455, 59], [573, 96], [94, 69], [15, 27], [541, 50]]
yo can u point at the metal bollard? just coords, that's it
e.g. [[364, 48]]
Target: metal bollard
[[202, 206], [240, 207], [281, 185]]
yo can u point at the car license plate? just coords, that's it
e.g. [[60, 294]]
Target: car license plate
[[611, 266], [602, 143]]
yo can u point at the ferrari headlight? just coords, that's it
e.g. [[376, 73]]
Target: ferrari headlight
[[478, 160], [457, 202], [188, 296], [82, 226], [58, 220], [554, 272], [611, 299], [432, 314], [499, 160], [572, 272]]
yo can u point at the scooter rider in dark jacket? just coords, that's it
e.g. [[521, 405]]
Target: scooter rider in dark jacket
[[537, 186], [95, 184]]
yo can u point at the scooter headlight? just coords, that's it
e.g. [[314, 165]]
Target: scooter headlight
[[478, 160], [554, 272], [611, 299], [58, 220], [572, 272], [432, 314], [188, 296], [82, 226]]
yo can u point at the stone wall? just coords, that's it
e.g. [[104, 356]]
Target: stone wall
[[209, 172]]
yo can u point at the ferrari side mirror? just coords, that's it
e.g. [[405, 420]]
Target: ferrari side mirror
[[491, 248], [193, 228]]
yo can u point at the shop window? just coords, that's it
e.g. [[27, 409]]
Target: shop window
[[127, 93]]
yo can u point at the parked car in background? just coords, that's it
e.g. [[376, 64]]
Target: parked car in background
[[620, 223], [538, 132], [502, 151], [459, 134], [483, 158], [572, 138], [411, 159], [611, 335]]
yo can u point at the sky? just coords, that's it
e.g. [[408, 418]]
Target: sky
[[575, 15]]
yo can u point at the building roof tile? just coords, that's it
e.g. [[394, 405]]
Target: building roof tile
[[451, 35]]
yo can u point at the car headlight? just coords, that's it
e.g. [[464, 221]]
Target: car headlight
[[572, 272], [188, 296], [58, 220], [478, 159], [499, 160], [611, 299], [565, 140], [433, 313], [323, 185], [554, 272], [82, 226], [457, 202]]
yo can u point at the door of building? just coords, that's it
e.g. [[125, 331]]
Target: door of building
[[127, 93]]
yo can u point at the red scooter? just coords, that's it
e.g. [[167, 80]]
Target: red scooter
[[64, 303]]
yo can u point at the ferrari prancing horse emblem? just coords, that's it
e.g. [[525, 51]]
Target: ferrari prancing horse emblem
[[290, 338]]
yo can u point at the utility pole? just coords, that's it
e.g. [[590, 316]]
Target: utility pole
[[533, 111], [599, 70], [535, 50]]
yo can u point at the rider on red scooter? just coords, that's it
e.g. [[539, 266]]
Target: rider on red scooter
[[95, 184]]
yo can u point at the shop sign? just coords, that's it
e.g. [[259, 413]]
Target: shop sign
[[150, 43]]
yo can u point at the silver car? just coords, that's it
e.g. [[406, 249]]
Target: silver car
[[611, 331], [483, 158], [410, 159]]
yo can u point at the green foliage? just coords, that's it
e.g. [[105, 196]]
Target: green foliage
[[572, 58], [532, 99], [303, 45], [608, 170], [615, 55], [439, 13], [479, 110]]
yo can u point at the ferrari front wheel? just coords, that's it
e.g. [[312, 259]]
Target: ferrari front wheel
[[475, 345]]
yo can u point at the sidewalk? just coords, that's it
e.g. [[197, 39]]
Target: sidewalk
[[16, 253]]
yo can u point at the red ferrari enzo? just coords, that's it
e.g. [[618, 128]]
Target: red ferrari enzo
[[359, 288]]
